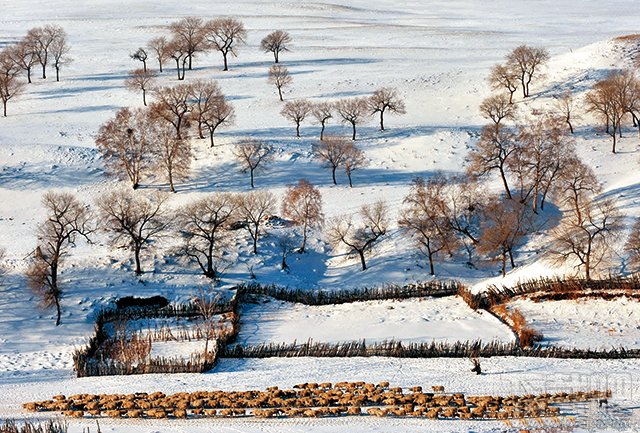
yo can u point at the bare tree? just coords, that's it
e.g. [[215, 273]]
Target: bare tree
[[586, 238], [132, 220], [361, 237], [10, 87], [354, 159], [220, 113], [255, 207], [506, 223], [302, 204], [204, 94], [492, 153], [41, 39], [67, 219], [223, 34], [172, 105], [179, 54], [140, 80], [612, 98], [286, 242], [253, 155], [565, 108], [527, 61], [172, 155], [386, 99], [353, 111], [125, 144], [331, 152], [203, 227], [632, 246], [543, 144], [189, 32], [279, 76], [322, 111], [160, 48], [276, 42], [504, 77], [141, 55], [60, 50], [464, 206], [296, 111], [24, 56], [424, 221], [576, 184], [207, 305], [497, 108]]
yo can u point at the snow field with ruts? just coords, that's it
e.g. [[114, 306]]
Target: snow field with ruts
[[421, 320]]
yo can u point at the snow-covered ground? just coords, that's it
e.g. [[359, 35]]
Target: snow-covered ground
[[584, 323], [437, 54], [411, 321]]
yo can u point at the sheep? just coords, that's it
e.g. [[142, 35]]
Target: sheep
[[439, 389], [180, 413]]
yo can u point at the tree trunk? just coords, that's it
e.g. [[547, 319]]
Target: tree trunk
[[504, 181], [381, 120], [298, 129], [144, 97], [362, 261], [171, 187], [613, 149], [353, 124], [304, 238], [160, 65], [29, 74], [190, 61], [280, 92], [136, 254], [333, 174], [570, 126], [58, 312], [57, 73], [349, 176], [431, 269], [200, 134], [283, 264], [211, 136], [4, 108], [255, 242], [504, 265], [275, 56], [144, 66], [226, 67], [513, 265], [322, 131], [252, 186], [44, 71], [511, 92]]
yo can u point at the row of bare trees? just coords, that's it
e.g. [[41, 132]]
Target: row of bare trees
[[42, 46], [192, 35], [351, 111]]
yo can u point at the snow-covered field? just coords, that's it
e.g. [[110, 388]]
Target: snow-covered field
[[584, 323], [437, 54], [411, 321]]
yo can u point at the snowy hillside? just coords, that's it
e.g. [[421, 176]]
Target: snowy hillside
[[437, 55]]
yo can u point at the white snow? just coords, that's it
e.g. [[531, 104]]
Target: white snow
[[584, 323], [437, 54], [410, 321]]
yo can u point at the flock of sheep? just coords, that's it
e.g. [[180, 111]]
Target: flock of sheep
[[315, 400]]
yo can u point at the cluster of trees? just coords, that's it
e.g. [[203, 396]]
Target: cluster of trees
[[137, 221], [351, 111], [521, 65], [154, 140], [44, 46], [192, 36], [612, 99]]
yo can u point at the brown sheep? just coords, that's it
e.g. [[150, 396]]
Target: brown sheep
[[439, 389], [180, 413]]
